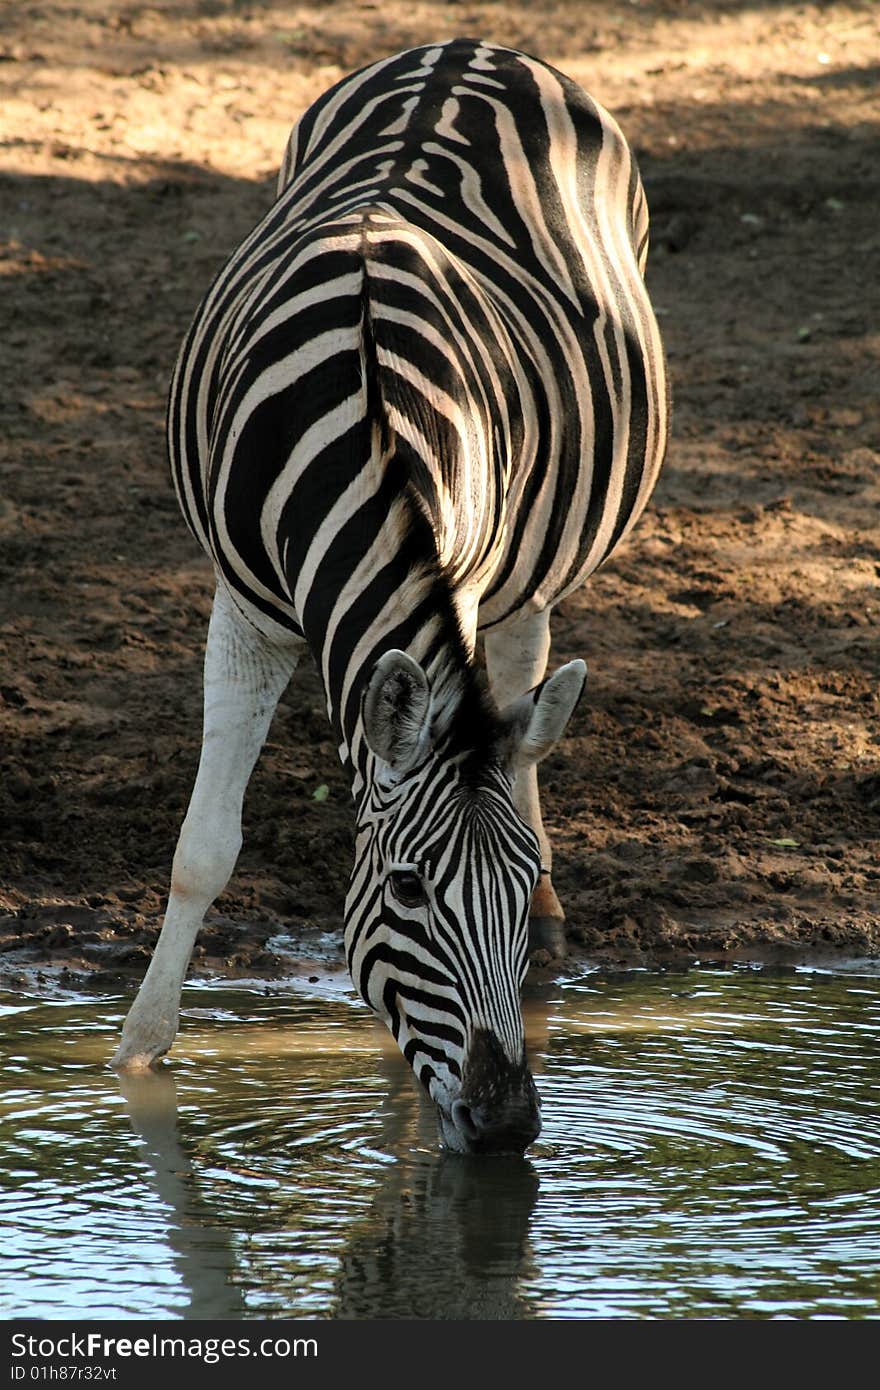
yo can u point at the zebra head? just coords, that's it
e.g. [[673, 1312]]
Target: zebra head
[[437, 911]]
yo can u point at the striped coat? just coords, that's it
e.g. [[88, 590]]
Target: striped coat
[[423, 400], [445, 310]]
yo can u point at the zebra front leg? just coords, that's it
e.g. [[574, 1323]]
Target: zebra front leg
[[516, 660], [245, 677]]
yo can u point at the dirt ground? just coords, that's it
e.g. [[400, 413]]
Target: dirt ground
[[718, 794]]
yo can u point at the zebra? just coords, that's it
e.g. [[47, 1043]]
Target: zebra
[[422, 402]]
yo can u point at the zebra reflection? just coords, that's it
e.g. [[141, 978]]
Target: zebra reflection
[[201, 1242], [445, 1236]]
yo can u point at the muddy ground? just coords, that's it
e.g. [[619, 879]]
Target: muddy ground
[[718, 794]]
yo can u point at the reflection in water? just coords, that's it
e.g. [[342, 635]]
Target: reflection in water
[[203, 1248], [446, 1236], [711, 1148], [445, 1240]]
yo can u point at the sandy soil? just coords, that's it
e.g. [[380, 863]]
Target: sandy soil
[[719, 791]]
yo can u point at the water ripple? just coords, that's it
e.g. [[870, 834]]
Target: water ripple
[[711, 1148]]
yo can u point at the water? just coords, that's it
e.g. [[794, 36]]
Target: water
[[711, 1148]]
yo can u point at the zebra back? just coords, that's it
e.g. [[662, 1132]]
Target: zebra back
[[467, 221]]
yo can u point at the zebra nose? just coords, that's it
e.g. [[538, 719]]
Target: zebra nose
[[497, 1111], [493, 1130]]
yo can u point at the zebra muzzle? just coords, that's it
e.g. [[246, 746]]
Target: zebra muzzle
[[498, 1111]]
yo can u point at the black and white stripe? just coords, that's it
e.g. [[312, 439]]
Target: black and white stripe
[[489, 218], [425, 399]]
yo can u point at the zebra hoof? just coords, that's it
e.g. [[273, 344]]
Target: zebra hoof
[[547, 934]]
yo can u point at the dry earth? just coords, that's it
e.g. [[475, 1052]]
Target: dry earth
[[719, 791]]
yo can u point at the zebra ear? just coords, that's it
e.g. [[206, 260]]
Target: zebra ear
[[396, 711], [537, 719]]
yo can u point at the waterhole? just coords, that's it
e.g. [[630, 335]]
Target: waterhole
[[711, 1148]]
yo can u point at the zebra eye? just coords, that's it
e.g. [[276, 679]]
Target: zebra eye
[[407, 887]]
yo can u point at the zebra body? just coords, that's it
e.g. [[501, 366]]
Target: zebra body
[[424, 400]]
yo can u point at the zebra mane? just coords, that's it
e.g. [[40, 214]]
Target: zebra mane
[[466, 724], [465, 720]]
